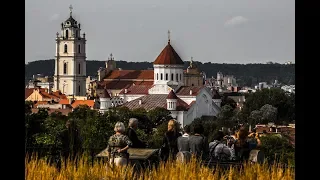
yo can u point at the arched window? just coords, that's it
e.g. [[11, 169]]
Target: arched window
[[180, 77], [172, 77], [166, 76], [177, 77], [67, 34], [79, 89], [161, 76], [76, 33], [65, 68], [65, 48], [79, 48], [157, 76], [79, 68]]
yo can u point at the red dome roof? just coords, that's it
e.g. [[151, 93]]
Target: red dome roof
[[168, 56], [172, 95]]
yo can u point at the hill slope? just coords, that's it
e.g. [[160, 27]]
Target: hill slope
[[246, 74]]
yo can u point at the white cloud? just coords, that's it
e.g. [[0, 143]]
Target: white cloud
[[236, 21], [54, 17]]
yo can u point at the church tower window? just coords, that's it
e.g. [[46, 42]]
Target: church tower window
[[157, 76], [79, 89], [67, 34], [172, 77], [166, 76], [79, 68], [65, 48], [79, 48], [161, 76], [65, 67], [177, 77]]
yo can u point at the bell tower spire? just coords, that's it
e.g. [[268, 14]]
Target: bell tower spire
[[70, 8], [70, 62], [168, 36]]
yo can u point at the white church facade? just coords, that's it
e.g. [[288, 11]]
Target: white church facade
[[168, 91]]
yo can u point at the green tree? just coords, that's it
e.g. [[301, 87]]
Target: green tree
[[275, 97], [159, 115], [277, 148], [228, 101], [225, 117], [269, 113], [144, 122]]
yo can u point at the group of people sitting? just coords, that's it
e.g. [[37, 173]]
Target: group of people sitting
[[233, 146]]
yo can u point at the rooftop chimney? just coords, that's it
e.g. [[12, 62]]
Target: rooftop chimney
[[140, 102], [190, 92]]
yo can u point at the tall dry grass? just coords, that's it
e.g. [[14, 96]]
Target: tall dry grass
[[38, 169]]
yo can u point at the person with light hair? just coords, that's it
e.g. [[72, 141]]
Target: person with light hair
[[118, 145], [170, 146], [133, 125]]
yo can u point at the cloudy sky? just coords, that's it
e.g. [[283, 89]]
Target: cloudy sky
[[219, 31]]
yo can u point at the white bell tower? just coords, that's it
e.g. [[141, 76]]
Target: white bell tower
[[70, 59]]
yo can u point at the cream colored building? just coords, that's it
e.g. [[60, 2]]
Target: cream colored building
[[70, 60]]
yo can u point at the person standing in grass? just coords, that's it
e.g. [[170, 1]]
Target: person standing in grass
[[198, 143], [169, 145], [118, 145], [184, 154]]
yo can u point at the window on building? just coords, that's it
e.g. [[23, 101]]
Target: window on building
[[67, 34], [79, 68], [172, 77], [166, 76], [79, 48], [177, 77], [76, 33], [157, 76], [180, 77], [79, 89], [161, 76], [65, 48], [65, 68]]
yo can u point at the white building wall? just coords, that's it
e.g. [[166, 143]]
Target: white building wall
[[130, 97], [168, 69], [179, 116]]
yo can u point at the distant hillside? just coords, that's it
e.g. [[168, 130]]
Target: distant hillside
[[246, 74]]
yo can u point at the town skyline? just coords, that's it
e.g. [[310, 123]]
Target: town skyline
[[230, 32]]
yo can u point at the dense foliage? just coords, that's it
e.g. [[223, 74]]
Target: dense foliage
[[86, 130], [246, 74]]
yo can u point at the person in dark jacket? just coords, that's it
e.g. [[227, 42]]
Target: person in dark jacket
[[133, 125], [170, 146]]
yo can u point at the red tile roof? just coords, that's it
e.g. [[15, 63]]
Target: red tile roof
[[172, 95], [143, 83], [29, 91], [130, 74], [153, 101], [115, 84], [64, 101], [137, 89], [40, 102], [168, 56], [185, 90], [76, 103]]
